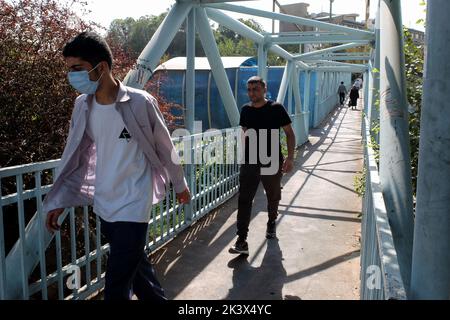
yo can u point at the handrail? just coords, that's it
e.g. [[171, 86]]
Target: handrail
[[380, 272], [214, 181]]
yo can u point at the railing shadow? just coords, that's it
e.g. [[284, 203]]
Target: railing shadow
[[323, 266], [181, 260]]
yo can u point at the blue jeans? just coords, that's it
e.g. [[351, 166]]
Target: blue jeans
[[128, 270]]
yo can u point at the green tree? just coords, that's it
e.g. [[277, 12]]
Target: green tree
[[230, 43], [35, 98], [226, 47], [233, 44], [133, 35], [120, 31], [414, 59]]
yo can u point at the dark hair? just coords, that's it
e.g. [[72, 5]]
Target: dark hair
[[257, 79], [90, 47], [342, 82]]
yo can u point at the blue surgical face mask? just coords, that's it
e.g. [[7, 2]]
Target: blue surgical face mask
[[81, 82]]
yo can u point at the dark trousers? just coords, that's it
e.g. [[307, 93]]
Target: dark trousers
[[128, 270], [342, 97], [249, 178]]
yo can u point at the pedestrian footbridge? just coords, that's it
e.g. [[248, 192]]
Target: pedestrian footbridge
[[346, 223]]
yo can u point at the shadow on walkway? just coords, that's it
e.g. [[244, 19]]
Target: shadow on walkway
[[318, 228]]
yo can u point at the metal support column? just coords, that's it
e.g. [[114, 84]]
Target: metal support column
[[190, 106], [190, 72], [318, 99], [306, 103], [285, 82], [299, 122], [395, 163], [375, 101], [296, 91], [369, 83], [262, 61], [366, 83], [431, 254]]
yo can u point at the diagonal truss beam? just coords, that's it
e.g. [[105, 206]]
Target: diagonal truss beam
[[212, 52], [327, 50], [236, 26], [245, 31], [149, 58], [288, 18]]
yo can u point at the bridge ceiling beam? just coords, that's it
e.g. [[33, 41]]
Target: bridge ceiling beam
[[245, 31], [288, 18], [339, 56], [327, 50], [319, 38]]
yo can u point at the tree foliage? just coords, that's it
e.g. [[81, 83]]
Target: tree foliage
[[133, 35], [35, 98], [233, 44], [414, 59]]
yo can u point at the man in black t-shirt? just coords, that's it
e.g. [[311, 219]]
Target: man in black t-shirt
[[261, 120]]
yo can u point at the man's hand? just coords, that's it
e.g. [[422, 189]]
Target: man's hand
[[184, 197], [52, 220], [288, 165]]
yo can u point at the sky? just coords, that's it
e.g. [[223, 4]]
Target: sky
[[104, 11]]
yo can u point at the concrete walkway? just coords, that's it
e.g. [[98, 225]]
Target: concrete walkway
[[316, 255]]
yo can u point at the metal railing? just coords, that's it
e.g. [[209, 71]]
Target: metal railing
[[37, 265], [326, 96], [380, 273]]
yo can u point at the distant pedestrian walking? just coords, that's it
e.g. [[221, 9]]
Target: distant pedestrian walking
[[354, 95], [342, 92]]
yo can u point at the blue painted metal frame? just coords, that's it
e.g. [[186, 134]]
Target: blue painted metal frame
[[214, 182], [379, 262]]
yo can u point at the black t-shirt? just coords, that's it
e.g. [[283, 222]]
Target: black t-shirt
[[270, 116]]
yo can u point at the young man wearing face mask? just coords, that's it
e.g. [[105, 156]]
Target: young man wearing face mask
[[117, 158]]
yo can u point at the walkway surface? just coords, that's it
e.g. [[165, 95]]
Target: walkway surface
[[316, 255]]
